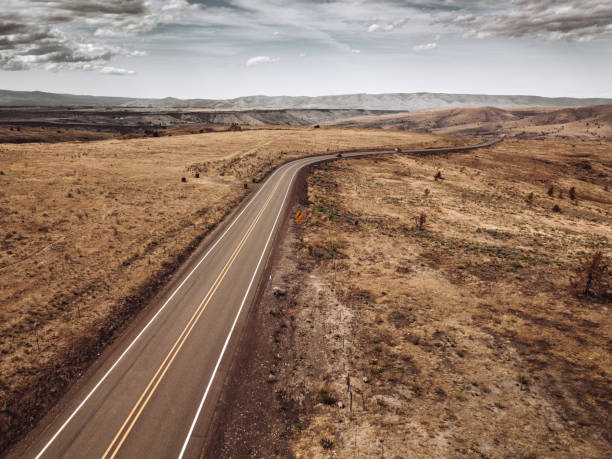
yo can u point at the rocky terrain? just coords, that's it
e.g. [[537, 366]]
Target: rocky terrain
[[60, 124]]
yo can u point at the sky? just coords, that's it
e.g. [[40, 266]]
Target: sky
[[221, 49]]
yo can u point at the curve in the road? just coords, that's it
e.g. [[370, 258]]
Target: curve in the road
[[189, 334]]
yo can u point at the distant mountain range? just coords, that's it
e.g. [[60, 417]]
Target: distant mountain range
[[396, 101]]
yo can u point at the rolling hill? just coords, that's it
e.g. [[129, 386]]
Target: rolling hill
[[395, 101], [594, 122]]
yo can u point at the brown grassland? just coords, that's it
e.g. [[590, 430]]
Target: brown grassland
[[90, 230], [463, 338]]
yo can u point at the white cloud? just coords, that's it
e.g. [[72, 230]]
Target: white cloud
[[257, 60], [387, 27], [116, 71], [424, 47], [356, 51], [302, 55]]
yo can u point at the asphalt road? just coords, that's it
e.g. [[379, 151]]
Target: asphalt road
[[151, 394]]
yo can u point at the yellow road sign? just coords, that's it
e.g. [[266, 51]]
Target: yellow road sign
[[298, 217]]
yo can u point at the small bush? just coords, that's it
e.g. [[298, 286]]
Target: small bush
[[326, 443], [529, 198], [326, 397], [419, 222], [183, 179], [438, 176], [426, 192], [593, 276], [197, 175], [556, 208], [572, 193], [551, 190]]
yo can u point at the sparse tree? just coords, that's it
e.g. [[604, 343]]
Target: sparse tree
[[593, 276], [419, 221]]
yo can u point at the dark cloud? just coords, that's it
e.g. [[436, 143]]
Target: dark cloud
[[572, 20], [228, 4], [94, 7], [9, 28], [70, 34]]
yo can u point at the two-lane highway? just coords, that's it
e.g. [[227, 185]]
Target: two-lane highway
[[146, 398]]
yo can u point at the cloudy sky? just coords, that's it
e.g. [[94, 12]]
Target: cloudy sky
[[231, 48]]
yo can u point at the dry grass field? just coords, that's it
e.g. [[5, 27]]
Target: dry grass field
[[91, 230], [462, 338]]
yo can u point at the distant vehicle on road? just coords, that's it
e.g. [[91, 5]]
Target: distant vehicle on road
[[398, 150]]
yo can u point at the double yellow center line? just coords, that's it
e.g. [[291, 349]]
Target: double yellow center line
[[128, 424]]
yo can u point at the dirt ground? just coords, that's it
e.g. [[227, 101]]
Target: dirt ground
[[90, 230], [460, 339]]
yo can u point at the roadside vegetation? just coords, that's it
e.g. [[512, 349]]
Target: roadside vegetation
[[451, 306]]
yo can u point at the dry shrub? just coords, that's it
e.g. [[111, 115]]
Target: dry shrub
[[426, 192], [438, 176], [551, 190], [593, 276], [419, 221], [326, 396], [529, 198], [572, 193]]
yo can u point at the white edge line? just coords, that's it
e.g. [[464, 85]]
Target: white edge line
[[201, 405], [108, 372], [197, 415]]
